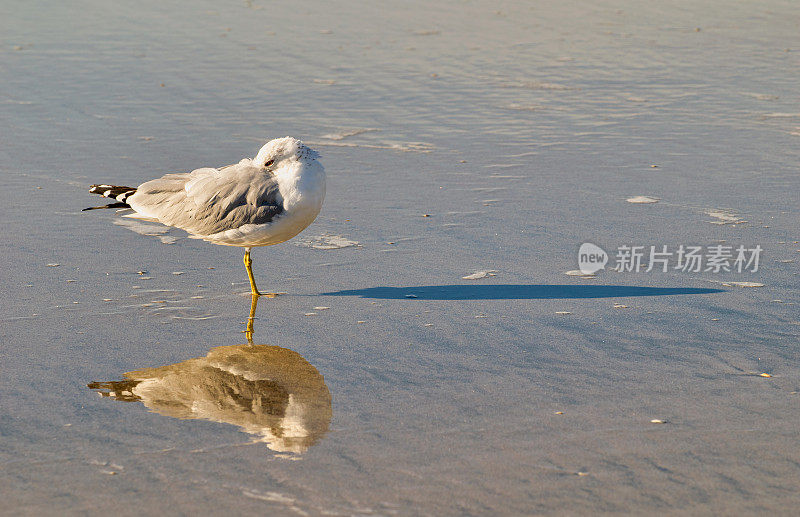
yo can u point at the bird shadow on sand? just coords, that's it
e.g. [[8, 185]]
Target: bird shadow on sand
[[516, 292]]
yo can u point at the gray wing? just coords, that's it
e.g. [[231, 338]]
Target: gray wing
[[208, 201]]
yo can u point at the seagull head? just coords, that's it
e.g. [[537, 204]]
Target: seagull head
[[277, 151]]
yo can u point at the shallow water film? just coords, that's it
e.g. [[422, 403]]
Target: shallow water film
[[440, 346]]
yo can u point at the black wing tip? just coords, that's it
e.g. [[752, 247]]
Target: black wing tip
[[111, 205]]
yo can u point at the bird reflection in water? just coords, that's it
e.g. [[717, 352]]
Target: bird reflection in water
[[268, 391]]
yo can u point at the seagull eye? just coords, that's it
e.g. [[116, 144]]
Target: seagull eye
[[269, 162]]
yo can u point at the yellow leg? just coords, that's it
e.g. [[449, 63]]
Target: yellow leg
[[248, 262], [248, 333]]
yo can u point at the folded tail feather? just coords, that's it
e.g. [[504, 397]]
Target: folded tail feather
[[120, 390], [117, 192]]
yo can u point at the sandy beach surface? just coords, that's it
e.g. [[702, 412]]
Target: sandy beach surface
[[431, 355]]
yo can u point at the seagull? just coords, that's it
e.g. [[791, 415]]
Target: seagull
[[271, 393], [259, 201]]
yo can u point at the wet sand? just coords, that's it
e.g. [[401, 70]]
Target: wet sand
[[470, 150]]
